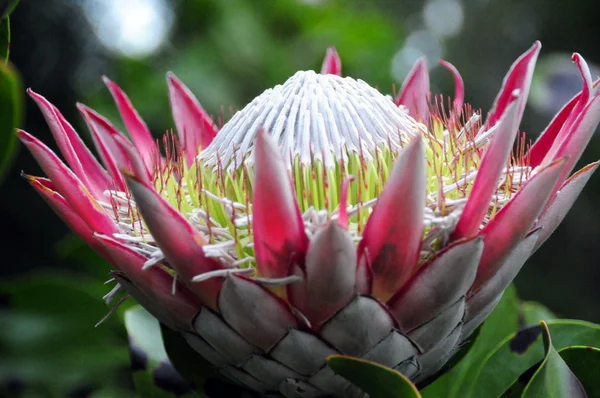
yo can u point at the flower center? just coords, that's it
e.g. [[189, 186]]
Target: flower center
[[332, 130], [315, 117]]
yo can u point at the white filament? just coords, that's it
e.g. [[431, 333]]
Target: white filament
[[315, 117]]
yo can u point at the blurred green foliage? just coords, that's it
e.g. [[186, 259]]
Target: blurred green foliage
[[49, 343], [229, 52], [149, 358]]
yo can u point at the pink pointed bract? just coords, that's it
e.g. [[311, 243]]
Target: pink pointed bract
[[332, 64], [195, 127], [415, 91], [323, 218]]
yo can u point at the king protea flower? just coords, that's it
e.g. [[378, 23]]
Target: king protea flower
[[323, 218]]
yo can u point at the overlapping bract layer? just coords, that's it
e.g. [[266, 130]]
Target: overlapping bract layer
[[391, 288]]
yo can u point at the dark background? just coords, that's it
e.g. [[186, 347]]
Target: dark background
[[229, 51]]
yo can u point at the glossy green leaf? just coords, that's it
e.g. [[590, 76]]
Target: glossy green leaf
[[553, 378], [376, 380], [519, 352], [11, 101], [517, 388], [153, 374], [532, 313], [585, 363]]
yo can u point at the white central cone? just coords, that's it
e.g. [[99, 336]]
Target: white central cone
[[315, 117]]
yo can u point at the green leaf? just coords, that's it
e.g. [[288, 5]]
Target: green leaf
[[153, 374], [5, 38], [584, 362], [533, 313], [502, 322], [553, 378], [376, 380], [7, 6], [11, 101], [522, 350], [517, 388]]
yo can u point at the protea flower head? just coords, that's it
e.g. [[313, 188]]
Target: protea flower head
[[324, 217]]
